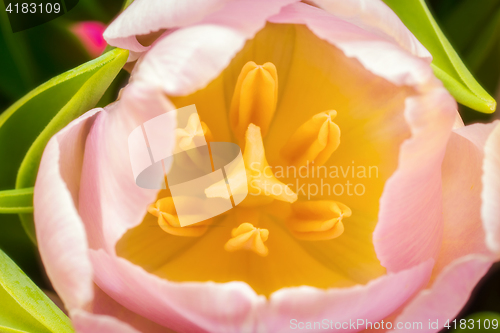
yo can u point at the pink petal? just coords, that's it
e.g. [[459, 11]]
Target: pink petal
[[478, 134], [105, 305], [192, 307], [145, 16], [90, 34], [61, 236], [234, 307], [188, 59], [460, 264], [379, 55], [108, 190], [490, 210], [376, 17], [85, 322], [371, 302], [246, 16], [463, 231], [410, 224], [142, 17], [448, 294]]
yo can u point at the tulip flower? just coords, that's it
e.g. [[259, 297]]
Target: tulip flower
[[368, 199]]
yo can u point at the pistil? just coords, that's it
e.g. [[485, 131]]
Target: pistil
[[263, 186]]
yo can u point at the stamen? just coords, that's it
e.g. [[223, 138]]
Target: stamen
[[247, 237], [255, 97], [262, 184], [195, 134], [189, 136], [164, 209], [317, 220], [314, 141]]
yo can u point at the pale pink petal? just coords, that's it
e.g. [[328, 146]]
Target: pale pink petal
[[448, 294], [145, 16], [490, 210], [371, 302], [105, 305], [460, 264], [478, 133], [90, 34], [246, 17], [188, 59], [234, 307], [110, 201], [410, 226], [463, 231], [191, 307], [85, 322], [375, 16], [61, 236], [377, 54]]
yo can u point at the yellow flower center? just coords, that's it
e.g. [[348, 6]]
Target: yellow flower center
[[313, 197], [252, 109]]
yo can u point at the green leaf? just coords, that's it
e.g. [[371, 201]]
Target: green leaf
[[83, 100], [446, 63], [28, 124], [476, 323], [127, 3], [16, 201], [25, 308]]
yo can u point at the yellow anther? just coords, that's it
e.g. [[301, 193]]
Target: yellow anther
[[194, 134], [317, 220], [314, 141], [164, 209], [254, 99], [247, 237], [262, 184]]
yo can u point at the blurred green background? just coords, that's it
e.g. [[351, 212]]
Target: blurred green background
[[31, 57]]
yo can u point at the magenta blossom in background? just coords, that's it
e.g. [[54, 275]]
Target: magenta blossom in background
[[90, 35]]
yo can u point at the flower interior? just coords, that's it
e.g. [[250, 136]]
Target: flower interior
[[320, 135]]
